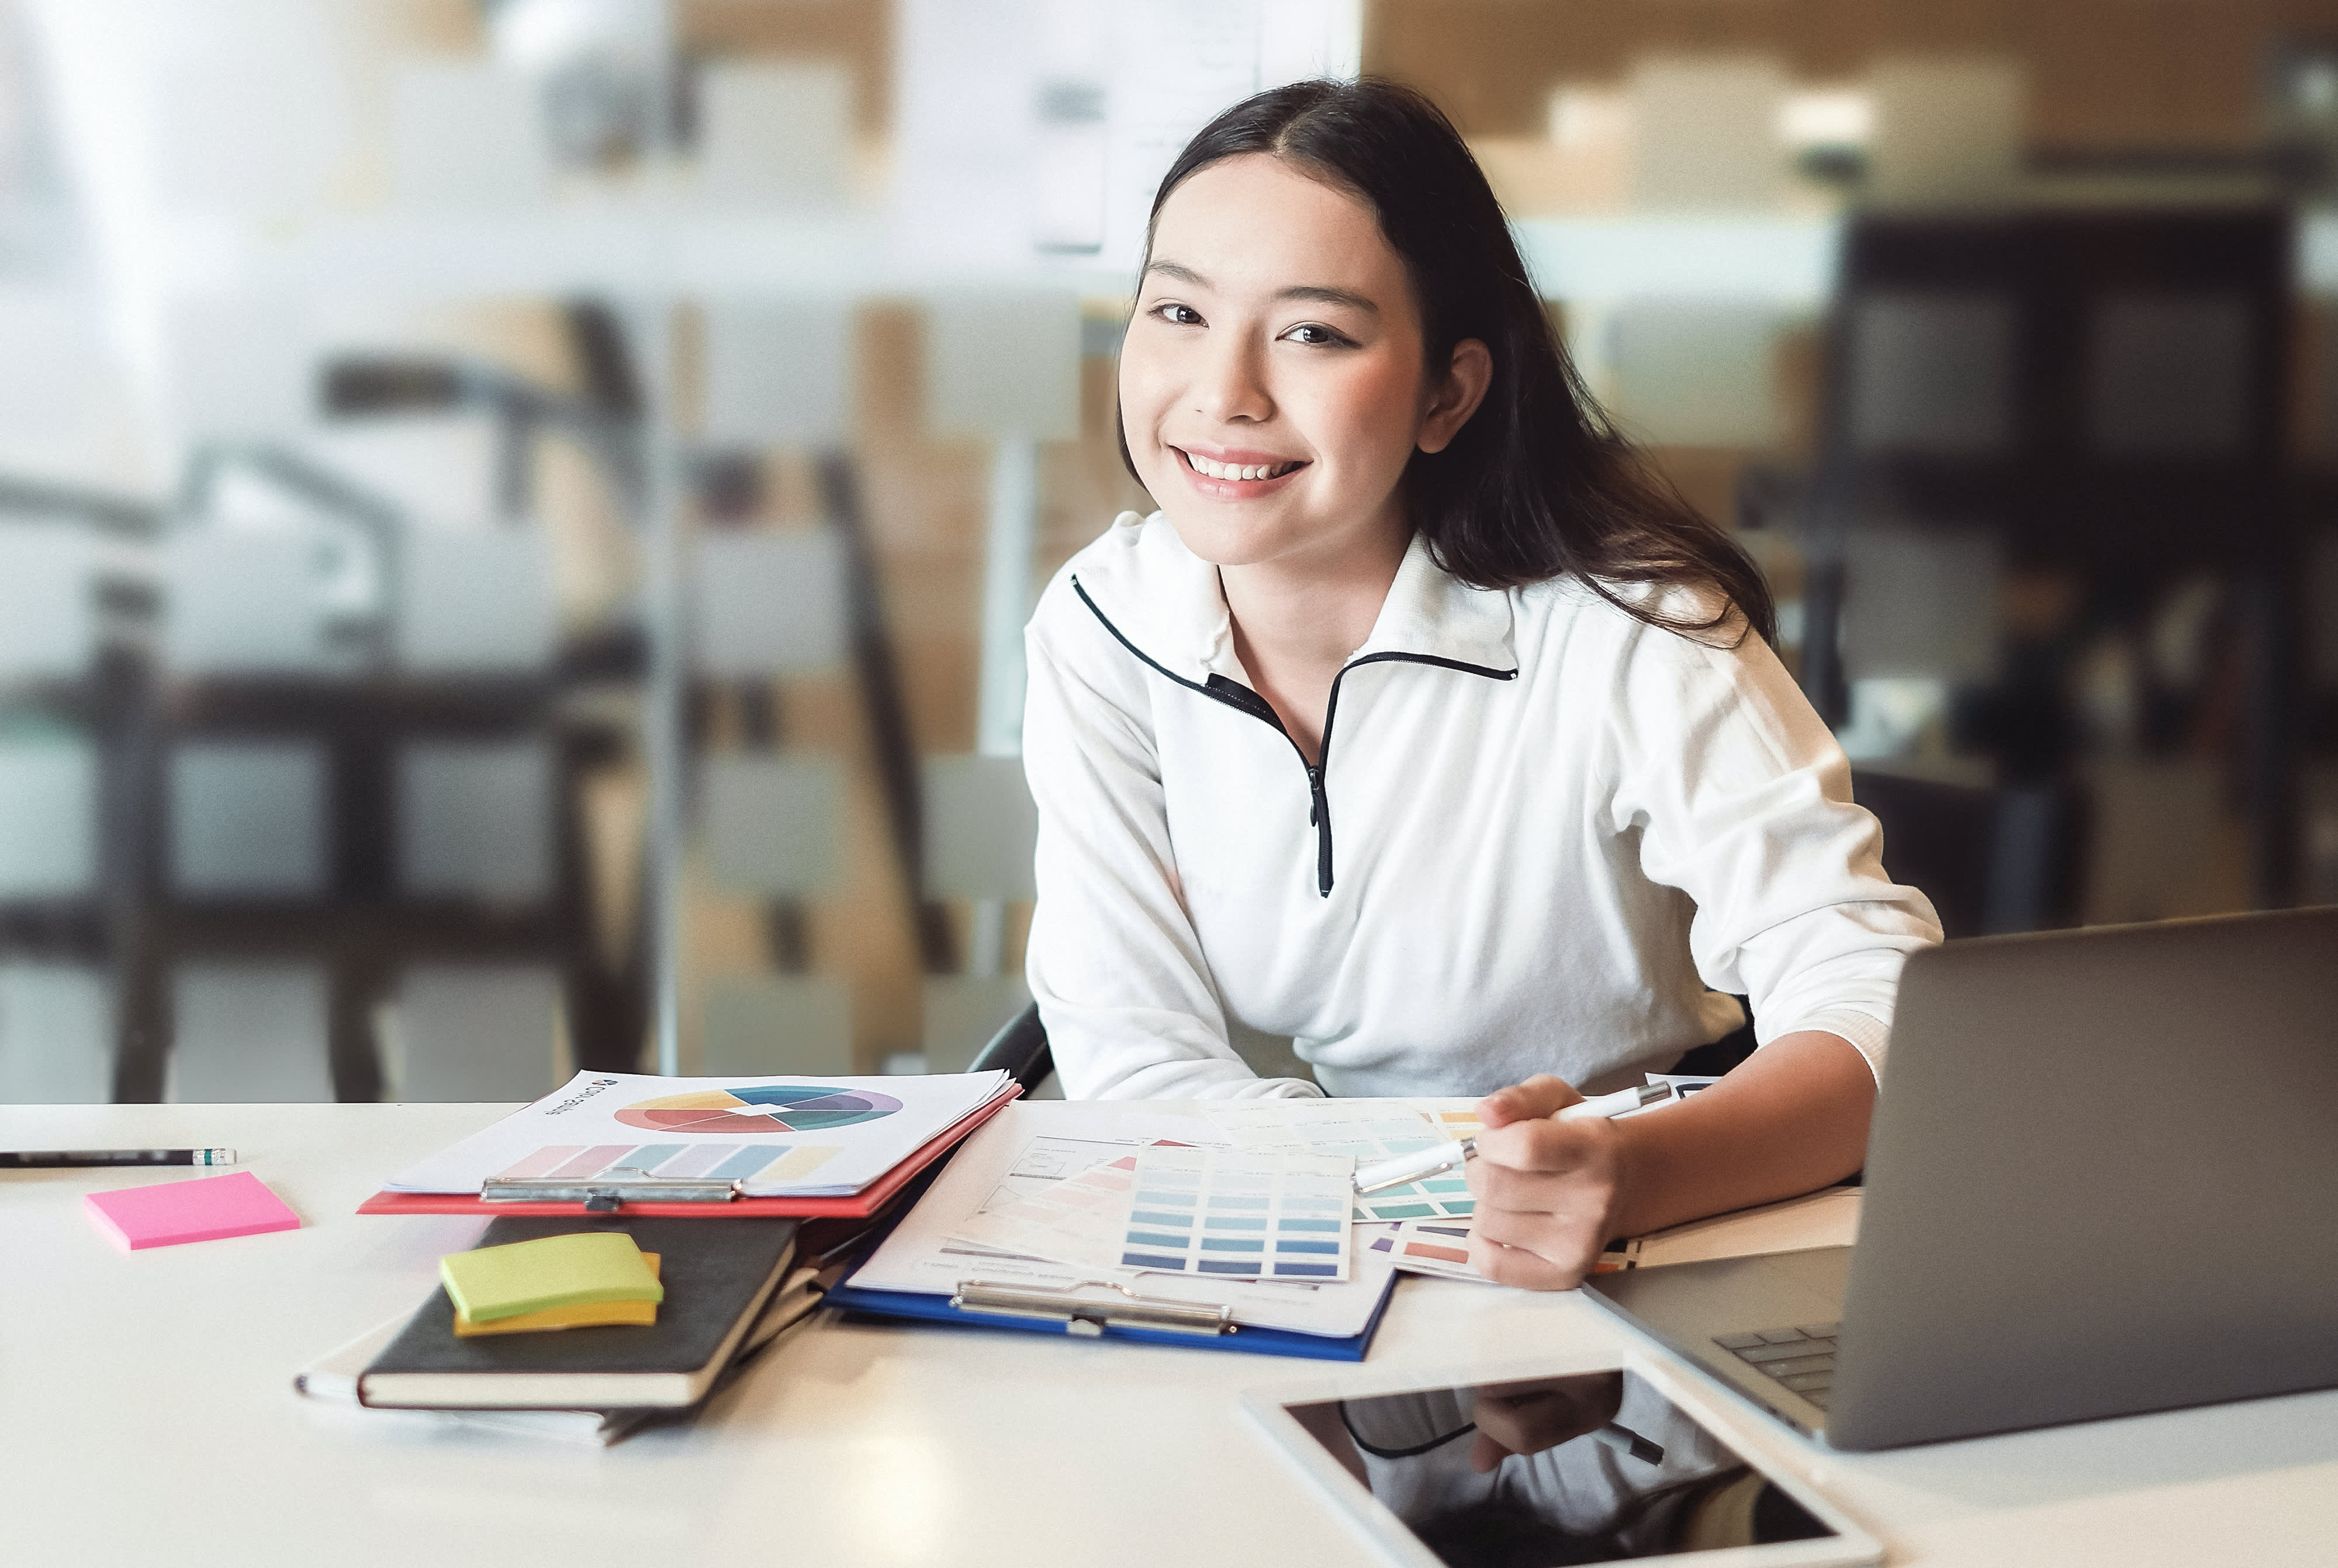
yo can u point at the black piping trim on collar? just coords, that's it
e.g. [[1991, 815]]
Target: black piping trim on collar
[[1263, 711], [1237, 696], [1398, 656], [1122, 638]]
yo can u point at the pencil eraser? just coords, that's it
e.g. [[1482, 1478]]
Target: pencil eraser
[[207, 1209]]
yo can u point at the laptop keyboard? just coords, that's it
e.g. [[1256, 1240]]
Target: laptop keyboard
[[1799, 1359]]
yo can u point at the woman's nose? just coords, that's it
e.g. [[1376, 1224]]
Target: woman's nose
[[1232, 383]]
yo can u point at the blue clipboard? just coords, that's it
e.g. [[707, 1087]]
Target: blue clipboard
[[850, 1298]]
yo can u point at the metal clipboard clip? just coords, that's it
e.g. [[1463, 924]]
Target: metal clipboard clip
[[605, 1194], [1091, 1317]]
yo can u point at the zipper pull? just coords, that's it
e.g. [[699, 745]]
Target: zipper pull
[[1319, 817]]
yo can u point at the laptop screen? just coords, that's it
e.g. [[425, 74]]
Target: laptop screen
[[1595, 1467]]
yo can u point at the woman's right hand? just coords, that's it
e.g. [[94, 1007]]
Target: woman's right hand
[[1547, 1191]]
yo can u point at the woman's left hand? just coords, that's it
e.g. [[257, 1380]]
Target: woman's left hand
[[1547, 1191]]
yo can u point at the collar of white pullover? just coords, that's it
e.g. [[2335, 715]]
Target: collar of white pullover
[[1430, 617], [1167, 606]]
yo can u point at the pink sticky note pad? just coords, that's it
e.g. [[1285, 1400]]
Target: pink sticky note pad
[[203, 1209]]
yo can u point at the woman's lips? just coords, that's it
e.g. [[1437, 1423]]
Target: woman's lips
[[1236, 481]]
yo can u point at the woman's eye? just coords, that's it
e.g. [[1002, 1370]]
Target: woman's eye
[[1310, 332], [1178, 315]]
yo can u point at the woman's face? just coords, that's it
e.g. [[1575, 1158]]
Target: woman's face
[[1271, 387]]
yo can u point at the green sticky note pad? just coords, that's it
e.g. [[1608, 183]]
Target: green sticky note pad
[[492, 1282]]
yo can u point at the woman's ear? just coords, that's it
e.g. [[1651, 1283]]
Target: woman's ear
[[1455, 395]]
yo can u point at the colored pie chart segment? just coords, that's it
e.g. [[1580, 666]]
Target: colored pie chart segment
[[759, 1109]]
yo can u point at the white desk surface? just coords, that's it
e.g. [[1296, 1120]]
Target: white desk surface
[[146, 1416]]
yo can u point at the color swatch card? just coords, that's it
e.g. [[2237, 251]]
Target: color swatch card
[[1364, 1131], [1439, 1249], [1240, 1213], [1079, 1219], [208, 1208]]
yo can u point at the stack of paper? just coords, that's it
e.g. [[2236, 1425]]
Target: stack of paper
[[800, 1137], [591, 1280], [1829, 1217], [1081, 1182], [331, 1382]]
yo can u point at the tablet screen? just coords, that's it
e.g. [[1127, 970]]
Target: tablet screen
[[1596, 1467]]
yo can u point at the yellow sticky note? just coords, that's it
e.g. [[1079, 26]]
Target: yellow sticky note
[[491, 1283], [584, 1315]]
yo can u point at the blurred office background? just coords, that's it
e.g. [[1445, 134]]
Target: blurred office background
[[515, 515]]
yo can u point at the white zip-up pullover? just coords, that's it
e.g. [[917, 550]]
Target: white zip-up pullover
[[1545, 838]]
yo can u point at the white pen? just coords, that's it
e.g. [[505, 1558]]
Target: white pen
[[1425, 1163]]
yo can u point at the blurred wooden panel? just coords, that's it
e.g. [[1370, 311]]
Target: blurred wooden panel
[[2103, 72], [856, 31]]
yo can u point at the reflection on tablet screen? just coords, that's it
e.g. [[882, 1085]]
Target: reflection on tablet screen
[[1598, 1467]]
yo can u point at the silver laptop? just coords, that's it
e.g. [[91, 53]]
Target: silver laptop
[[2103, 1179]]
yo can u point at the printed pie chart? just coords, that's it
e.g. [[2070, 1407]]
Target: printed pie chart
[[760, 1110]]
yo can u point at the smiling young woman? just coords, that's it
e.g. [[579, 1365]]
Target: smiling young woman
[[1579, 805]]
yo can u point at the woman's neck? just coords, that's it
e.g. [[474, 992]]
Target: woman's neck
[[1295, 625]]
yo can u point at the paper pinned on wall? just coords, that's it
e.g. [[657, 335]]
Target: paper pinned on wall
[[1027, 128], [1184, 62]]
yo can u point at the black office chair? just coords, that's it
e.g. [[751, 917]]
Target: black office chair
[[1991, 860], [1020, 1050]]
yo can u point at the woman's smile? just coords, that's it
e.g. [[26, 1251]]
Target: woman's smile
[[1226, 475]]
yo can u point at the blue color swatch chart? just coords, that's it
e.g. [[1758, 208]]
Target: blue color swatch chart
[[1239, 1214]]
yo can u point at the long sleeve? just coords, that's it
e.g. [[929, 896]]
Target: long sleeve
[[1113, 961], [1742, 799]]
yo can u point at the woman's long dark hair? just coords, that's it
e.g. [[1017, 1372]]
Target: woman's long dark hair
[[1538, 485]]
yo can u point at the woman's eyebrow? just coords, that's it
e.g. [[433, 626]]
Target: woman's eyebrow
[[1328, 295], [1320, 294]]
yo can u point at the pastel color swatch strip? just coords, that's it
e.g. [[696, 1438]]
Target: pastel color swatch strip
[[769, 1162], [1441, 1250], [1364, 1131], [1081, 1220]]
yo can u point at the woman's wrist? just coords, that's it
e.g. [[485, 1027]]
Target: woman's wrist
[[1634, 1201], [1791, 1119]]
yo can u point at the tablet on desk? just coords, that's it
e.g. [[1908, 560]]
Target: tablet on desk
[[1599, 1467]]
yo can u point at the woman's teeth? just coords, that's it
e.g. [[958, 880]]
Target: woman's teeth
[[1237, 470]]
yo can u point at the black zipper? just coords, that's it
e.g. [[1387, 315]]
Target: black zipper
[[1234, 694]]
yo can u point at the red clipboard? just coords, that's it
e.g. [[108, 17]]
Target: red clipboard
[[858, 1206]]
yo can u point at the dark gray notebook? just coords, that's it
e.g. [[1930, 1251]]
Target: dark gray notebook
[[717, 1273]]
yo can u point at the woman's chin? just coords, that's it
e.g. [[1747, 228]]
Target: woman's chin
[[1221, 541]]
